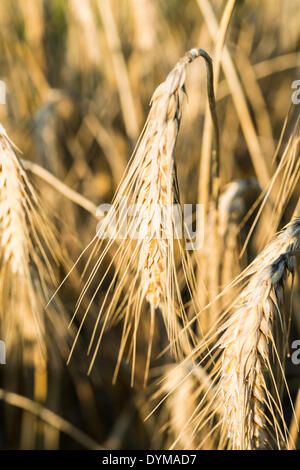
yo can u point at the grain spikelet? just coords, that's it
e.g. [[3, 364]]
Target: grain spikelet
[[26, 243], [184, 389], [248, 338], [145, 266], [234, 202], [244, 357], [223, 248]]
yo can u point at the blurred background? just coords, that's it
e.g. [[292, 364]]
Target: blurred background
[[79, 77]]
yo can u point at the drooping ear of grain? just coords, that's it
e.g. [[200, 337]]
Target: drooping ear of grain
[[145, 265]]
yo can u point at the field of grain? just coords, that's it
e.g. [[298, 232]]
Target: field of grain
[[119, 329]]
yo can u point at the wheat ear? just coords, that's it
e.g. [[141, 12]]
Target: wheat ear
[[28, 254], [248, 338], [145, 268]]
